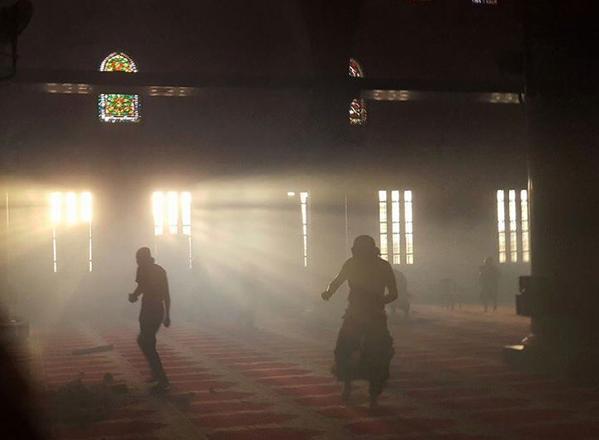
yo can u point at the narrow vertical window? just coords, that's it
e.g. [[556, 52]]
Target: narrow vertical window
[[513, 226], [513, 231], [501, 226], [304, 207], [524, 226], [305, 219], [395, 227], [71, 202], [186, 223], [394, 207], [409, 227], [55, 219], [186, 213], [172, 212], [383, 225], [86, 208]]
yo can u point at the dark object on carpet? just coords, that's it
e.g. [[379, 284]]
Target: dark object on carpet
[[91, 350], [76, 403]]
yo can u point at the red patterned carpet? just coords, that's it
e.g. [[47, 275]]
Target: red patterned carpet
[[448, 382]]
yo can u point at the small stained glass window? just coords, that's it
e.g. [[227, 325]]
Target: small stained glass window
[[357, 108], [118, 107]]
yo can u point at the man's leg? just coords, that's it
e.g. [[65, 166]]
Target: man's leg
[[346, 344], [378, 349], [147, 343]]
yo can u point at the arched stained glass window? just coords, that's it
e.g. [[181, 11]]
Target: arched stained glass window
[[357, 109], [118, 107], [355, 70], [118, 62]]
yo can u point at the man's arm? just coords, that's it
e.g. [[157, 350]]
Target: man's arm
[[391, 287], [336, 283], [136, 293]]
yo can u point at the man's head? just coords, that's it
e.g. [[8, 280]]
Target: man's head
[[489, 261], [365, 246], [144, 256]]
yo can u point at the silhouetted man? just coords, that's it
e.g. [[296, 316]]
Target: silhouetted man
[[152, 283], [488, 278], [364, 345]]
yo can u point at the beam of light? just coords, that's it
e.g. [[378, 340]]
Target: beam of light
[[513, 226], [501, 226], [55, 208], [172, 203], [304, 206], [383, 224], [71, 206], [395, 227], [409, 226], [158, 212], [290, 194], [524, 226]]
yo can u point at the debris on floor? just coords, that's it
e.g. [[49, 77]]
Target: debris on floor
[[78, 403], [91, 350]]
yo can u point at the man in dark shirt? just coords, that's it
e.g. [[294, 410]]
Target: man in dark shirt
[[152, 283]]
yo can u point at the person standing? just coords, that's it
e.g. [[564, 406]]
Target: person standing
[[364, 345], [488, 279], [152, 285]]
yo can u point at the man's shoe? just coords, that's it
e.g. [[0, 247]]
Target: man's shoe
[[161, 388]]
